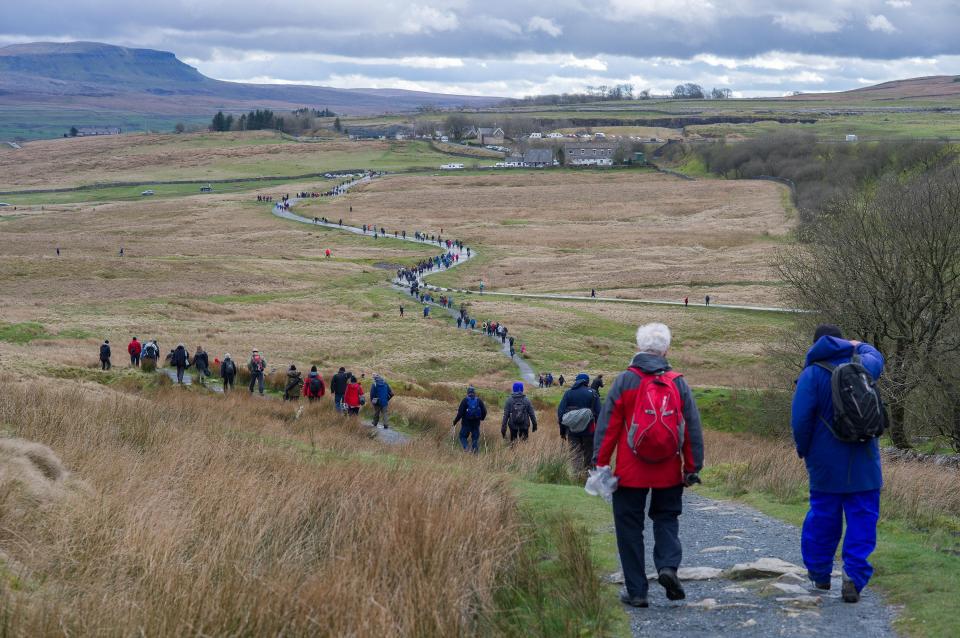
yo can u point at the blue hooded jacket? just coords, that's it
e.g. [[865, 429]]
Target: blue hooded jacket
[[834, 466], [381, 390]]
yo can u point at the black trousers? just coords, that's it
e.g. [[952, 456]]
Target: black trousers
[[581, 448], [228, 383], [523, 435], [629, 507], [104, 364]]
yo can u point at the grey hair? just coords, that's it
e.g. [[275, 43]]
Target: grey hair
[[653, 338]]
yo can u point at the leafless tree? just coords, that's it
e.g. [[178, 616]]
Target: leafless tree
[[457, 125], [886, 267]]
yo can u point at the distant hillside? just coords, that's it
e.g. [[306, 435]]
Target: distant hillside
[[101, 78], [927, 88]]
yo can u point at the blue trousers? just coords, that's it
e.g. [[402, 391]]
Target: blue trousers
[[823, 528], [466, 431]]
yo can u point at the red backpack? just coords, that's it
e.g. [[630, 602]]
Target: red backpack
[[657, 428]]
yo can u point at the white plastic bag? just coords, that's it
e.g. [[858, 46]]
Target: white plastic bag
[[601, 482]]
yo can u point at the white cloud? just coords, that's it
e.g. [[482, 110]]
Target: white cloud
[[424, 19], [679, 10], [808, 22], [899, 4], [562, 60], [496, 26], [880, 23], [548, 26]]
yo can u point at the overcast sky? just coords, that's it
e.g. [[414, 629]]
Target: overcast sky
[[522, 47]]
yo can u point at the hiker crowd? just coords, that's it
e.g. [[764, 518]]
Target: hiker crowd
[[650, 423], [347, 390]]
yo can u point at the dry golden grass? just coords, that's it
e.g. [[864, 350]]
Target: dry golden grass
[[188, 531], [146, 157], [622, 232], [917, 492]]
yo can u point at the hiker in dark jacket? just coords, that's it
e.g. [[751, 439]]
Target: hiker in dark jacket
[[150, 350], [294, 379], [518, 415], [338, 385], [105, 355], [228, 372], [201, 362], [561, 380], [314, 387], [845, 478], [597, 384], [471, 412], [180, 359], [650, 461], [577, 415], [257, 367], [380, 395]]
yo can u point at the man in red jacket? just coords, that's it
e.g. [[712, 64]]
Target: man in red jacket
[[652, 421], [133, 349]]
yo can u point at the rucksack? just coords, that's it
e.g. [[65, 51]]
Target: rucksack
[[229, 368], [518, 414], [657, 428], [315, 386], [577, 421], [473, 408], [104, 351], [858, 411]]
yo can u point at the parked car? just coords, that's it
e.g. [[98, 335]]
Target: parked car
[[206, 189], [4, 204], [147, 192], [451, 167]]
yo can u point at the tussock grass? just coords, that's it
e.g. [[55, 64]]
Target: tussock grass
[[189, 530], [919, 493]]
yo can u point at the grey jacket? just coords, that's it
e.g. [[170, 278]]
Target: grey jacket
[[531, 415]]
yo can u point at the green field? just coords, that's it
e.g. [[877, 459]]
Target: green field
[[37, 123]]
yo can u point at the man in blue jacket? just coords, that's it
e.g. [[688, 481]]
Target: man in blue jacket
[[845, 478], [380, 395]]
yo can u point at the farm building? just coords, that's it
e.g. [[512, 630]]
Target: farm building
[[589, 154], [487, 135], [538, 157], [87, 131]]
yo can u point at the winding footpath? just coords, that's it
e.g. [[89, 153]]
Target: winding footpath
[[286, 214], [741, 568]]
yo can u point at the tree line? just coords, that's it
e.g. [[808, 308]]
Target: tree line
[[821, 172], [619, 92], [878, 254], [295, 122]]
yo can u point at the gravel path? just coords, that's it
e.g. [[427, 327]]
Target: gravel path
[[716, 535], [720, 534]]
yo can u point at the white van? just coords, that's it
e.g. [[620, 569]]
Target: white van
[[451, 167]]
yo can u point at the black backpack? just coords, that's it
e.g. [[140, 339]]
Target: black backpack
[[315, 385], [518, 414], [858, 411]]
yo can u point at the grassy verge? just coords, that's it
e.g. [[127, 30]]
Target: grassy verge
[[574, 540]]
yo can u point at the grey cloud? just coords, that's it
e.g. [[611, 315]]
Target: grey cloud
[[229, 39]]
